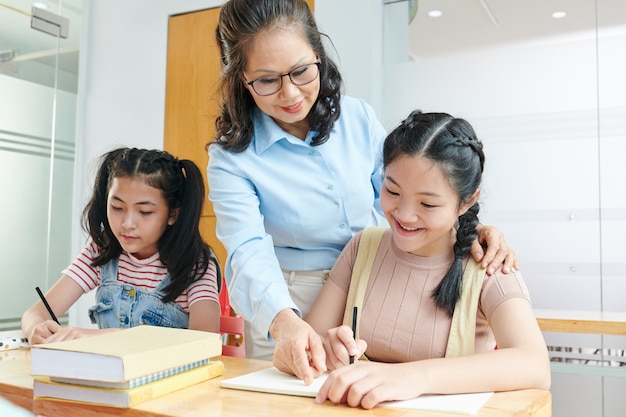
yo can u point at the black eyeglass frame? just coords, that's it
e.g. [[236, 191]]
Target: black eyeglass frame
[[286, 74]]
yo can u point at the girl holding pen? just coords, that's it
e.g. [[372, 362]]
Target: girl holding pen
[[145, 255], [429, 316]]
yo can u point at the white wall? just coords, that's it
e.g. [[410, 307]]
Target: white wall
[[356, 29], [553, 137]]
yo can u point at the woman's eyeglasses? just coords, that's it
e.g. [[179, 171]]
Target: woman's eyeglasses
[[271, 84]]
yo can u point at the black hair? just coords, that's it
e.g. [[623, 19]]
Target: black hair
[[240, 21], [181, 247], [451, 143]]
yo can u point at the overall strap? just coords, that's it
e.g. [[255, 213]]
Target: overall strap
[[108, 272], [368, 247], [463, 327]]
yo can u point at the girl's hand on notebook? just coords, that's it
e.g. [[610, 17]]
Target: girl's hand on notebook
[[339, 345], [365, 384]]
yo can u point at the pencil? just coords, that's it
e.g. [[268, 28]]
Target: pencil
[[45, 303], [354, 313]]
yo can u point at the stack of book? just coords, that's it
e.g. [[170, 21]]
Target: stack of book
[[126, 367]]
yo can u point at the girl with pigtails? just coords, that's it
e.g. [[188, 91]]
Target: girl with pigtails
[[145, 255], [427, 319]]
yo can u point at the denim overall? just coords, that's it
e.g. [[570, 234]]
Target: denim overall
[[122, 305]]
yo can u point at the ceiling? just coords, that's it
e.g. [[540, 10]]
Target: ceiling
[[30, 54], [463, 25], [471, 24]]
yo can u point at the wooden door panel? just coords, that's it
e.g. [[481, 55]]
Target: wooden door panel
[[193, 69]]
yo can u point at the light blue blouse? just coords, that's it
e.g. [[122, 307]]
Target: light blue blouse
[[283, 203]]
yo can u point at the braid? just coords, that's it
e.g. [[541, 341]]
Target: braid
[[449, 289], [475, 145]]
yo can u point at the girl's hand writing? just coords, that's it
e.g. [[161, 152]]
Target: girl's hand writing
[[42, 331], [69, 333], [339, 345], [49, 331]]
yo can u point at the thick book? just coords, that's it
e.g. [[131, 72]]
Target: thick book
[[43, 387], [273, 381], [125, 354]]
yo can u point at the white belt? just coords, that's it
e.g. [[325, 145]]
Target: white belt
[[320, 275]]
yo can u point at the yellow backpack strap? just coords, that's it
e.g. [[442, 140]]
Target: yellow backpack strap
[[463, 328], [368, 247]]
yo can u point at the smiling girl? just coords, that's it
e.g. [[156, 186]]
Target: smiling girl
[[145, 255], [423, 282]]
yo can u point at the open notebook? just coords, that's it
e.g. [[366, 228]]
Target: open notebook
[[273, 381]]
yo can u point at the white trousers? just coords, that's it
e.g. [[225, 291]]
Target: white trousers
[[304, 287]]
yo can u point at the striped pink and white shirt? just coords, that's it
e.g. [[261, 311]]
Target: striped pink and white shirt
[[141, 273]]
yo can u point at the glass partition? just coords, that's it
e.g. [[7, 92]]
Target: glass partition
[[38, 87]]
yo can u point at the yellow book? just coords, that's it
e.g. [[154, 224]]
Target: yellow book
[[126, 354], [43, 387]]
